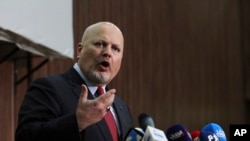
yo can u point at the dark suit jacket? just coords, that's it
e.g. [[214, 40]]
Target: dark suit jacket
[[48, 112]]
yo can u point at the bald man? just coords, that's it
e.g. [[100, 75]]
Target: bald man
[[66, 107]]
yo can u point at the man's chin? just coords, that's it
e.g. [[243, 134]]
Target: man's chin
[[100, 77]]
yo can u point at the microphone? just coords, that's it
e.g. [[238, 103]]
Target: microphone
[[178, 133], [207, 136], [134, 134], [145, 120], [195, 135], [216, 129], [153, 134]]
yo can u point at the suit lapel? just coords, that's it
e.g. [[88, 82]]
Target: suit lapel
[[77, 89], [103, 128], [75, 80], [119, 109]]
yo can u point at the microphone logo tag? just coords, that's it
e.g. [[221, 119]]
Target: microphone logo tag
[[176, 135], [239, 132], [212, 138], [220, 133]]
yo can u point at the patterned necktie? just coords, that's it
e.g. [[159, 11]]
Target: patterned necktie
[[109, 119]]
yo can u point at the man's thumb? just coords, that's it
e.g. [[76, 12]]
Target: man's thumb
[[84, 93]]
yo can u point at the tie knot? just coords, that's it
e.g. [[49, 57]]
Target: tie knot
[[100, 91]]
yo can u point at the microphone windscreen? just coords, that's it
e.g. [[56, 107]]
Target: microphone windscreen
[[195, 134], [145, 120], [135, 134], [178, 133], [216, 129], [207, 136]]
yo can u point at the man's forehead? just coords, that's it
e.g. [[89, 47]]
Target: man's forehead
[[104, 34], [107, 39], [100, 28]]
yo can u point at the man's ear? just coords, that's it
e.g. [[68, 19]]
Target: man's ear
[[79, 49]]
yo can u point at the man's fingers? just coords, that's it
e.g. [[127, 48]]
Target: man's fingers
[[102, 102], [110, 92], [108, 98]]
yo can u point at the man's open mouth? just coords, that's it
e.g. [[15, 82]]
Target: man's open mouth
[[104, 65]]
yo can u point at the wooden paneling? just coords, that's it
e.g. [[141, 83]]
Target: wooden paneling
[[245, 30], [6, 102], [182, 61]]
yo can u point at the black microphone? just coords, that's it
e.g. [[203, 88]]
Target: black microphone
[[145, 120], [151, 133]]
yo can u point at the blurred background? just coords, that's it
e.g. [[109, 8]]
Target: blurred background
[[185, 61]]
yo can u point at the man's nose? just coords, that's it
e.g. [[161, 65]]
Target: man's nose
[[107, 51]]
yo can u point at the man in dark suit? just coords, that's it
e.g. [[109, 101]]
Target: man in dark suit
[[65, 107]]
